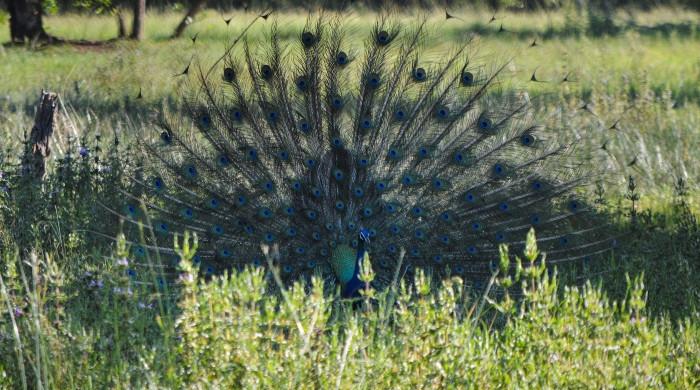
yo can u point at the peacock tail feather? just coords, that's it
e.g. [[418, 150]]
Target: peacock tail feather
[[304, 145]]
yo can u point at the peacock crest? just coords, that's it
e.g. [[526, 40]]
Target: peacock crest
[[329, 151]]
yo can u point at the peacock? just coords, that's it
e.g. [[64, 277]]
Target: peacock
[[329, 152]]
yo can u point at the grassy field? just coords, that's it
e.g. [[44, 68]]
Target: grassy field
[[654, 50], [649, 66], [72, 317]]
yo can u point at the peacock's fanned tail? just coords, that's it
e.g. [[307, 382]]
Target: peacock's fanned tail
[[302, 145]]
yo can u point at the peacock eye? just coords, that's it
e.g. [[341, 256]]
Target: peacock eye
[[205, 120], [373, 81], [166, 137], [419, 74], [341, 58], [573, 206], [485, 123], [498, 169], [467, 79], [224, 160], [308, 39], [272, 116], [302, 84], [191, 171], [383, 38], [442, 112], [229, 75], [337, 103], [158, 183], [266, 72], [527, 140]]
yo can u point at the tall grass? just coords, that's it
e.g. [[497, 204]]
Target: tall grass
[[230, 332]]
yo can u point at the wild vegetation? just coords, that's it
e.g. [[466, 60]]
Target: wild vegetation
[[74, 314]]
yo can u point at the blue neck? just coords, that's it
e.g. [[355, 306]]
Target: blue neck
[[354, 285]]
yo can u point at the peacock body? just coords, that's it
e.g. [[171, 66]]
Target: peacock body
[[326, 154]]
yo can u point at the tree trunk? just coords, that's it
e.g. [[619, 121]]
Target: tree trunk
[[139, 19], [195, 7], [26, 22], [37, 149], [121, 25], [533, 5], [495, 5]]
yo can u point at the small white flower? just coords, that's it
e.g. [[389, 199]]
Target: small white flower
[[185, 278]]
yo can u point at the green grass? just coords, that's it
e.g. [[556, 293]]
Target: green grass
[[648, 65], [231, 332], [70, 317], [634, 57]]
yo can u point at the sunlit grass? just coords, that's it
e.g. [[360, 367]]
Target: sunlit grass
[[645, 77], [624, 61]]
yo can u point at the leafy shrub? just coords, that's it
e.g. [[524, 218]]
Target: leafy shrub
[[230, 332]]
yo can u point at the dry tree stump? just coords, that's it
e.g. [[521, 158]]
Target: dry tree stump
[[38, 149]]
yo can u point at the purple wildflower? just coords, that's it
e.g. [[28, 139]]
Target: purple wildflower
[[96, 283]]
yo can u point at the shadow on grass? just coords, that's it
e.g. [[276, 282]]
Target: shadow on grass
[[664, 30]]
